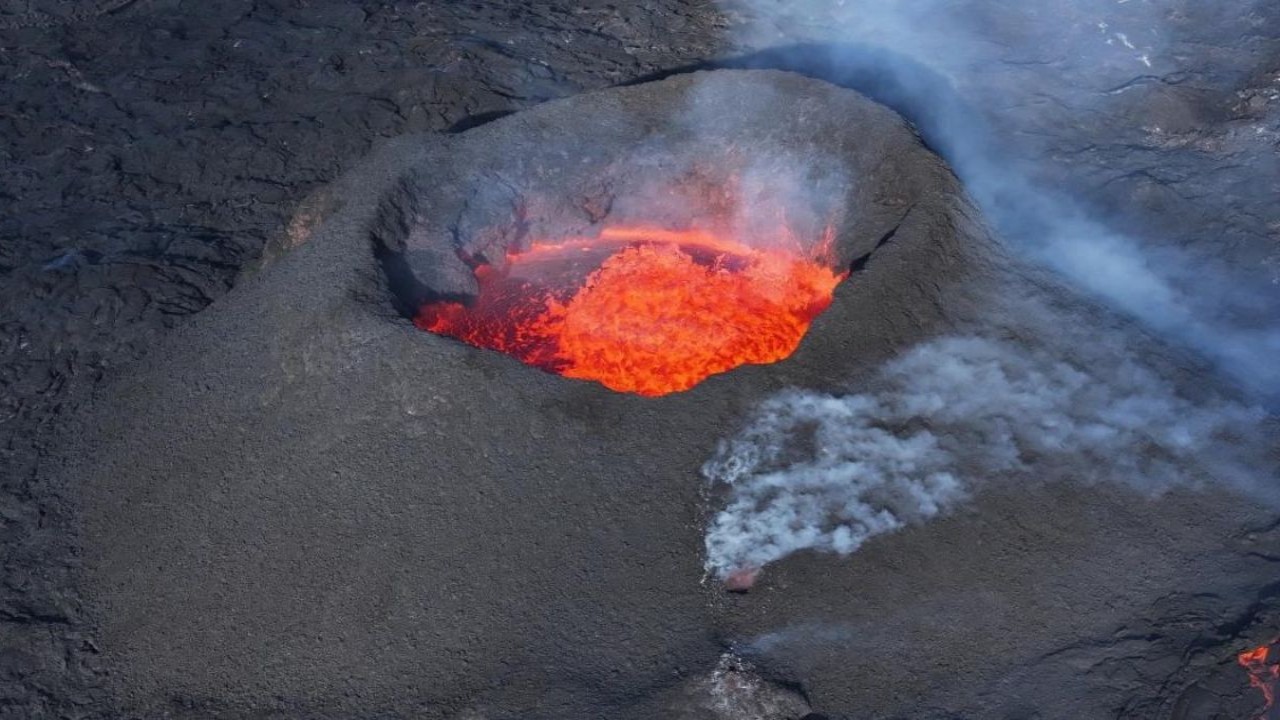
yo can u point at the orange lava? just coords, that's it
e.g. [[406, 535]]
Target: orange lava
[[1263, 675], [641, 310]]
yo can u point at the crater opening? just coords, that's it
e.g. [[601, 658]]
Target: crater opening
[[644, 309], [654, 245]]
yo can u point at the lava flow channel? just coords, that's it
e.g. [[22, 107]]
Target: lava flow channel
[[641, 310], [1264, 674]]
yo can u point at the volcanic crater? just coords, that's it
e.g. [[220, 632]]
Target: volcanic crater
[[511, 529], [723, 263], [375, 519], [638, 252]]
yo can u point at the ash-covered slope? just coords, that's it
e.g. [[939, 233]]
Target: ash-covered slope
[[301, 504]]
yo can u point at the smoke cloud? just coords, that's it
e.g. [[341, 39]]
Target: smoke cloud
[[936, 62], [822, 472]]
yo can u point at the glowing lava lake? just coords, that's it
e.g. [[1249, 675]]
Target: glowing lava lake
[[642, 310]]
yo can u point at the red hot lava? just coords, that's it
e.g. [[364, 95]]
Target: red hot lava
[[641, 310], [1264, 674]]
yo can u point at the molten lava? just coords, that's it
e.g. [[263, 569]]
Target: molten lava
[[641, 310], [1263, 675]]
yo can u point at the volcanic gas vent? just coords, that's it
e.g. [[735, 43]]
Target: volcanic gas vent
[[642, 310]]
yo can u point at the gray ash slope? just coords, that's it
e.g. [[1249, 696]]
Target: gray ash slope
[[372, 519], [449, 526]]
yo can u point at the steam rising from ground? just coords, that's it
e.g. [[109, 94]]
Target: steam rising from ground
[[827, 473], [934, 59]]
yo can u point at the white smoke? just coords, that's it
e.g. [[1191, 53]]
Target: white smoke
[[940, 63], [822, 472]]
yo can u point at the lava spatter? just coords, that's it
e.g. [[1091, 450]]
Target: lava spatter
[[642, 310]]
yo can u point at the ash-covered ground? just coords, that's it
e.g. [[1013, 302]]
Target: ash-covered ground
[[153, 150]]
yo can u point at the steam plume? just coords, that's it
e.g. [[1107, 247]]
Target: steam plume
[[933, 60], [827, 473]]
